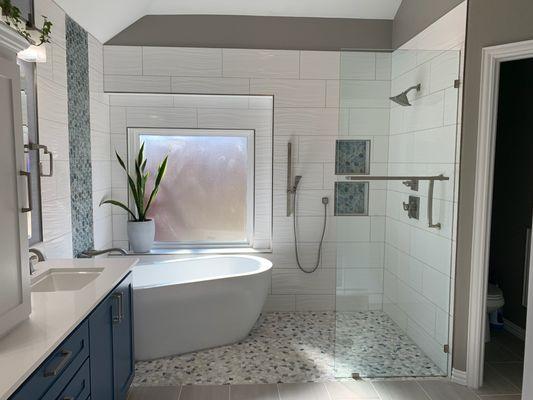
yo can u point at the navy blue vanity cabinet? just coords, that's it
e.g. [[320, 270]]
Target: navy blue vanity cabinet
[[123, 356], [96, 361], [111, 338], [53, 375]]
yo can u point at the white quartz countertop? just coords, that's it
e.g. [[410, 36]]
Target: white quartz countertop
[[54, 316]]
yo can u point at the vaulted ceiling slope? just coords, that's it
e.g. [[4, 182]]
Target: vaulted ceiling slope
[[105, 18]]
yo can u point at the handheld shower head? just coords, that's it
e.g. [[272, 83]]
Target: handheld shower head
[[402, 98], [297, 180]]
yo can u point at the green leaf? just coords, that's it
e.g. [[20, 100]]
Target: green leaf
[[140, 156], [140, 187], [131, 182], [160, 173], [118, 204], [121, 162]]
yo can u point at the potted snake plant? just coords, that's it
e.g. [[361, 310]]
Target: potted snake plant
[[141, 229]]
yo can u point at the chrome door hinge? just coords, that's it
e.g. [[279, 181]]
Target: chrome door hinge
[[446, 348], [457, 84]]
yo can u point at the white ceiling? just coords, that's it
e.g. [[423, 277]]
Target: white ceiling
[[105, 18]]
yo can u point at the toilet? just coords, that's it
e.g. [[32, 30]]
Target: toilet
[[495, 301]]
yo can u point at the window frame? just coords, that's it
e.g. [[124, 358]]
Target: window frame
[[133, 138]]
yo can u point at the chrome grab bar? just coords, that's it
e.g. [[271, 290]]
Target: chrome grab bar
[[397, 178], [412, 183], [430, 207]]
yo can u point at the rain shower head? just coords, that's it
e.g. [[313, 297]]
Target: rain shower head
[[402, 98]]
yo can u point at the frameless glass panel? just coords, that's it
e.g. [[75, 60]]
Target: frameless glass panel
[[205, 195], [393, 271]]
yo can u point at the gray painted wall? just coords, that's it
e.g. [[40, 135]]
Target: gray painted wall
[[490, 22], [414, 16], [256, 32]]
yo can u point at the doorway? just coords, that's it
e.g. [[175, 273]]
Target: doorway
[[502, 221], [510, 230]]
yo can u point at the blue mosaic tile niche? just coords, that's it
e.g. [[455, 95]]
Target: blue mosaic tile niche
[[79, 128], [352, 157], [351, 198]]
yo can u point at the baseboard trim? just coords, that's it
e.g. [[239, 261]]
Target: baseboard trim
[[459, 377], [514, 329]]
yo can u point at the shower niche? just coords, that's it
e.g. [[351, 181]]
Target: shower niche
[[395, 202]]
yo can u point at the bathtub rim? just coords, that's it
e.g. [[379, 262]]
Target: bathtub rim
[[265, 265]]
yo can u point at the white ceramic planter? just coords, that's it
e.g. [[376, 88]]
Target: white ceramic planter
[[141, 235]]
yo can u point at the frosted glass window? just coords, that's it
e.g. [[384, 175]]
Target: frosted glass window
[[206, 197]]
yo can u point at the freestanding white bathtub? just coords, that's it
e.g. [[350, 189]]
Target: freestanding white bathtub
[[196, 303]]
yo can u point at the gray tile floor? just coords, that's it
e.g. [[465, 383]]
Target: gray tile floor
[[298, 347], [503, 381], [355, 390], [504, 364]]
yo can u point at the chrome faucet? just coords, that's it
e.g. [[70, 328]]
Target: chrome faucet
[[93, 253], [35, 257]]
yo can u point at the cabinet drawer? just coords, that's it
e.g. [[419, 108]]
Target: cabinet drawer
[[59, 367], [79, 387]]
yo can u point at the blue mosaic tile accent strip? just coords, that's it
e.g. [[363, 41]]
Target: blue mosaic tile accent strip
[[351, 198], [79, 137], [352, 157]]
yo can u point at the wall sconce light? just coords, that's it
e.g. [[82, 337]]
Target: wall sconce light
[[36, 54]]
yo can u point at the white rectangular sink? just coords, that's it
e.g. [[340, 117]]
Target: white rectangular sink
[[62, 279]]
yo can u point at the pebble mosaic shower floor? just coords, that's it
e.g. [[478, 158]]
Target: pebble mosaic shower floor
[[299, 347]]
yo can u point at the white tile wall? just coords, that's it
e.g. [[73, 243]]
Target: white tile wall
[[175, 61], [319, 64], [101, 151], [305, 86], [363, 92], [141, 83], [123, 60], [418, 259], [245, 63], [191, 111], [53, 132]]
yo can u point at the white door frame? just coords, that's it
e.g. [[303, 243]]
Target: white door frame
[[492, 57]]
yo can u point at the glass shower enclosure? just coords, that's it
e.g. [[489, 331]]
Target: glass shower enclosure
[[394, 212]]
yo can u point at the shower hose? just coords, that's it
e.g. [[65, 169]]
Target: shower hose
[[295, 223]]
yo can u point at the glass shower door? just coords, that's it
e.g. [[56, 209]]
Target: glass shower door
[[393, 269]]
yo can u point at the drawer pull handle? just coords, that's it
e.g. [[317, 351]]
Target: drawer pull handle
[[65, 356], [117, 319]]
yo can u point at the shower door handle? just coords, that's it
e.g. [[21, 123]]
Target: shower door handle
[[27, 175]]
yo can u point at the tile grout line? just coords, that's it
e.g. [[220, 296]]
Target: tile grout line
[[375, 390], [277, 389], [423, 390], [327, 391]]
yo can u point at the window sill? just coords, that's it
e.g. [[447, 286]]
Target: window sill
[[230, 250]]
